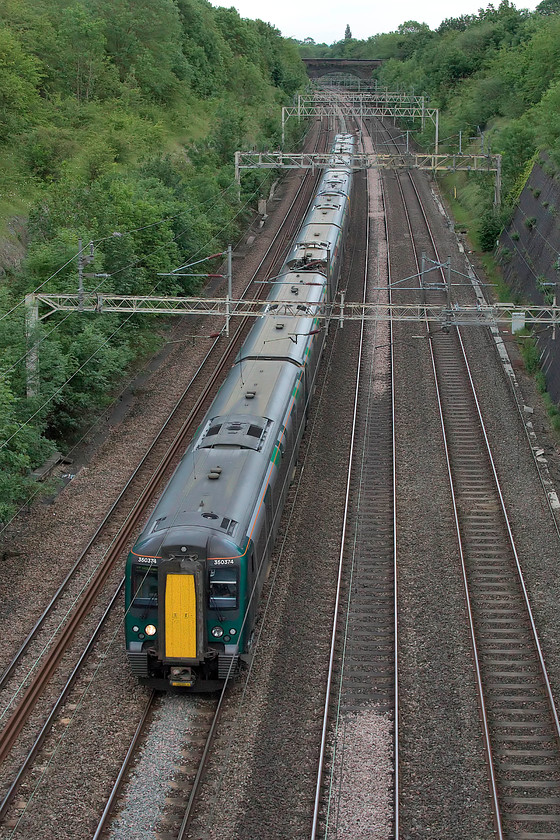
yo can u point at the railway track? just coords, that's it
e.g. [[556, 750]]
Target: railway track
[[520, 721], [362, 689], [120, 524], [520, 725], [204, 715]]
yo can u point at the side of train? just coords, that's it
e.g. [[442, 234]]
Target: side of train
[[194, 577]]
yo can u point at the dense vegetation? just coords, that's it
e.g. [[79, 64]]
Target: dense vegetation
[[495, 76], [118, 123]]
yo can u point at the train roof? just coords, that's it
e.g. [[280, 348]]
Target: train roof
[[286, 336], [223, 469], [335, 181]]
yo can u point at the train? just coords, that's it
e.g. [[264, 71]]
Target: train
[[194, 577]]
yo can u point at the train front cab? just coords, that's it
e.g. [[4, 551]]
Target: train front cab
[[185, 619]]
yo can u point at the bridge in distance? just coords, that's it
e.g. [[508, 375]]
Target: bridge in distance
[[360, 67]]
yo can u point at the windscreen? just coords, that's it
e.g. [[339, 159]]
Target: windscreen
[[145, 585], [223, 588]]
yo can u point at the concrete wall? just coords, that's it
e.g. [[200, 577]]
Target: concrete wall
[[529, 252]]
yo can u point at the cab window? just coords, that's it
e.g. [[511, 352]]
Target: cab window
[[223, 588], [144, 585]]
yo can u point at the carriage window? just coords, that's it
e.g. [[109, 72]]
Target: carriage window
[[223, 589], [144, 585]]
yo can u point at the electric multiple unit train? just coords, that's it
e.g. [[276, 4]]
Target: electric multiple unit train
[[194, 577]]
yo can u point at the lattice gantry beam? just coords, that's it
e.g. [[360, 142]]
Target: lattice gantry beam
[[500, 313], [379, 103], [382, 110], [325, 160], [370, 97]]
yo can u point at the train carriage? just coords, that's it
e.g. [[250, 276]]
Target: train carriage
[[194, 577]]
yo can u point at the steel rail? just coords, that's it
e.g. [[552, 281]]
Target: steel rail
[[125, 765], [395, 564], [511, 815], [476, 659], [546, 680], [341, 567], [395, 561], [8, 797]]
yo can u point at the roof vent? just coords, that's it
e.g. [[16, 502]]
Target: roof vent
[[210, 515], [279, 326], [295, 290], [250, 395], [213, 476]]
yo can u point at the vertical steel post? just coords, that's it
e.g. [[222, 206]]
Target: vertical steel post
[[554, 304], [229, 288], [238, 174], [80, 276], [498, 183], [32, 356]]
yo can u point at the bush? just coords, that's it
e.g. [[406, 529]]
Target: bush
[[531, 354], [490, 228]]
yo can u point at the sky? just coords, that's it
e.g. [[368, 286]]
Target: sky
[[325, 20]]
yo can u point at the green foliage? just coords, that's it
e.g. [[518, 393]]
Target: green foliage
[[531, 354], [491, 224], [119, 123], [19, 80], [20, 446]]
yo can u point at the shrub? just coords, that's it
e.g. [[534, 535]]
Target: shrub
[[490, 227]]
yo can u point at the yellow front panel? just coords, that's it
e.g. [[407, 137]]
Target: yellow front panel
[[180, 617]]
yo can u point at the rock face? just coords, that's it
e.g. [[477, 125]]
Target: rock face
[[13, 244], [529, 252]]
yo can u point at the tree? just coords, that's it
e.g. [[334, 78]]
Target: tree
[[548, 7], [19, 80], [347, 33]]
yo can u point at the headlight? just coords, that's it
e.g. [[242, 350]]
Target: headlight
[[150, 630], [217, 632], [135, 629]]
